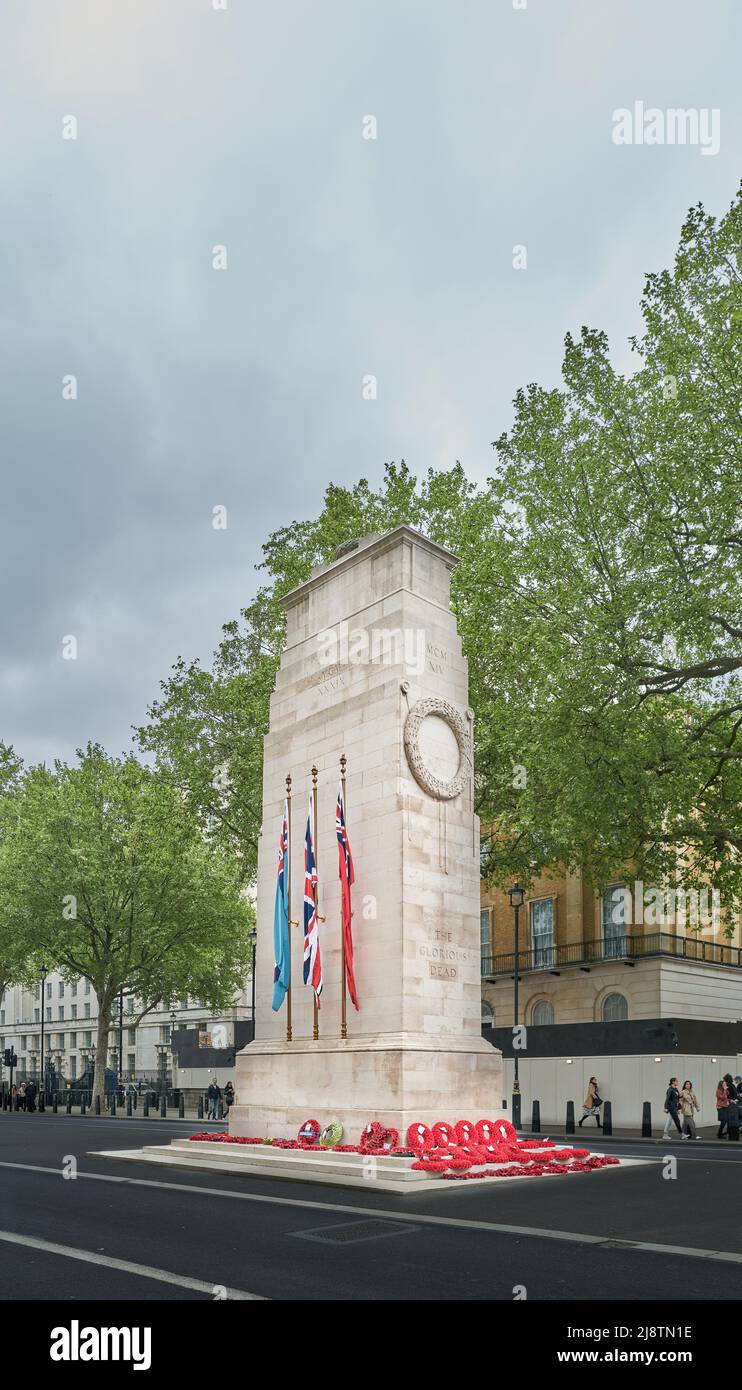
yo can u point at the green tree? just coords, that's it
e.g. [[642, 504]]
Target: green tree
[[598, 598], [104, 866], [16, 946]]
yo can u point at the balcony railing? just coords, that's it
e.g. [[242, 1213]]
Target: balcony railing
[[623, 948]]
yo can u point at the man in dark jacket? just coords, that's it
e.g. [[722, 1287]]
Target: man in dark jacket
[[734, 1092], [213, 1096], [672, 1106], [31, 1096]]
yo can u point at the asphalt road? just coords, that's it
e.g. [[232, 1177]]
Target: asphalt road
[[119, 1230]]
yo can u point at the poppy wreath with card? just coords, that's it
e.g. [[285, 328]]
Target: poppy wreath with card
[[445, 1134], [419, 1137], [309, 1132], [466, 1132]]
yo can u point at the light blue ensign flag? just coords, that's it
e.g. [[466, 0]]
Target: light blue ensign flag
[[281, 939]]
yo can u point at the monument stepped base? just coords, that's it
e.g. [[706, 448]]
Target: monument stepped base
[[340, 1170], [421, 1077]]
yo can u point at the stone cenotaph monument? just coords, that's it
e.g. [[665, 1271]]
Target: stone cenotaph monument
[[373, 669]]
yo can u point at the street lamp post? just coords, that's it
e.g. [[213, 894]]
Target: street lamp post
[[121, 1039], [173, 1021], [44, 972], [253, 937], [517, 896]]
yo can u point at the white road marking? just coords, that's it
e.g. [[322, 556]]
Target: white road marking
[[420, 1219], [164, 1276]]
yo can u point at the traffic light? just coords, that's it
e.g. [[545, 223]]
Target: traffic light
[[8, 1057]]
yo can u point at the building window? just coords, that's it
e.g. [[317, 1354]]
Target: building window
[[613, 925], [60, 990], [542, 1013], [48, 989], [73, 1039], [87, 1010], [485, 940], [88, 1039], [61, 1013], [37, 1015], [130, 1004], [87, 986], [542, 932], [488, 1015], [615, 1008], [132, 1036], [132, 1063], [48, 1015]]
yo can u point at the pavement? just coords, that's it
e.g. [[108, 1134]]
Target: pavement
[[76, 1227]]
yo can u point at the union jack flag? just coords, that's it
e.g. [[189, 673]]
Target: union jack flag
[[345, 868], [312, 956]]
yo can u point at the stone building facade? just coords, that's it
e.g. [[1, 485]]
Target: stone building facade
[[70, 1032], [590, 956]]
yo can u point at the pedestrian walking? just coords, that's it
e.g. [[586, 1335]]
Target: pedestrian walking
[[31, 1097], [689, 1103], [722, 1106], [22, 1096], [228, 1096], [213, 1096], [591, 1104], [734, 1097], [672, 1108]]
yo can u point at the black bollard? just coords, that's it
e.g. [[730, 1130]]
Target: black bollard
[[83, 1106], [163, 1106], [55, 1104], [181, 1107], [200, 1108], [570, 1125], [42, 1102], [535, 1118], [97, 1105], [69, 1102], [112, 1106], [607, 1117], [646, 1120], [145, 1107], [129, 1109]]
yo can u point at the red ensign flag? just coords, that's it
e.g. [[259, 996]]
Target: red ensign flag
[[345, 867]]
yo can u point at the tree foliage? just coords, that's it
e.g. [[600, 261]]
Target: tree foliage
[[103, 867], [598, 597]]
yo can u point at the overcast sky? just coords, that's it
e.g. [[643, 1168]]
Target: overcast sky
[[346, 256]]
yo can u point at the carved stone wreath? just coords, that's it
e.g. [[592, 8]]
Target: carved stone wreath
[[436, 786]]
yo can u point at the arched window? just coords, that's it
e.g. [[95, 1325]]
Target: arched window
[[615, 1008], [543, 1012], [488, 1015]]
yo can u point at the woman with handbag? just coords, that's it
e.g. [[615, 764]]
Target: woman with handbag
[[591, 1104], [689, 1103]]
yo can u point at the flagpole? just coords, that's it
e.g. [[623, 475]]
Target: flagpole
[[315, 1020], [288, 903], [343, 1012]]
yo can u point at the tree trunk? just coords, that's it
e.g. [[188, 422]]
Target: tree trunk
[[101, 1048]]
